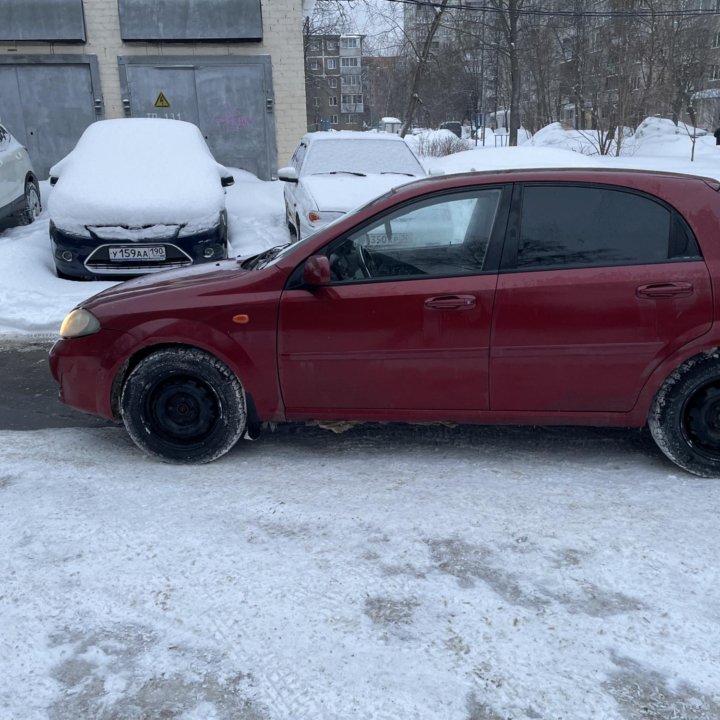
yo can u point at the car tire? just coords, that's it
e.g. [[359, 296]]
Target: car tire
[[684, 418], [32, 207], [183, 405]]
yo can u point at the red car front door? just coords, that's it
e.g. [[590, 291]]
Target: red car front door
[[406, 333], [403, 345]]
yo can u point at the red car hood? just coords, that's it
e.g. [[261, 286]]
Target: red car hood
[[189, 282]]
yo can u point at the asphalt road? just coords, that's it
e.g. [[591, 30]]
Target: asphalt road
[[29, 394]]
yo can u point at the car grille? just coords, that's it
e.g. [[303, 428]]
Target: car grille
[[99, 260]]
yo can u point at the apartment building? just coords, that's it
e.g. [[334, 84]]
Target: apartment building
[[334, 82], [233, 67]]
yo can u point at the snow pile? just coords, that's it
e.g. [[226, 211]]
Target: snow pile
[[509, 158], [660, 135], [654, 137], [558, 135]]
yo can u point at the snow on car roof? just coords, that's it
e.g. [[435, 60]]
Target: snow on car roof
[[363, 153], [137, 171], [322, 136]]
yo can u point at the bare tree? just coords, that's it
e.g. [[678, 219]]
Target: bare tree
[[422, 61], [508, 18]]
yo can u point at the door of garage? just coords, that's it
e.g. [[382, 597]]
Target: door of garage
[[229, 98], [48, 101]]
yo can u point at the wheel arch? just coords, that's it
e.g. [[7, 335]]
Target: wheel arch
[[135, 358], [664, 372]]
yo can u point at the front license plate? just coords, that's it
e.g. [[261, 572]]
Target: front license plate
[[137, 253]]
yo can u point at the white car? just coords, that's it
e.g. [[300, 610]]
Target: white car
[[19, 189], [135, 196], [334, 172]]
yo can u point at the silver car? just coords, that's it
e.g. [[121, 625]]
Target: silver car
[[19, 189], [332, 173]]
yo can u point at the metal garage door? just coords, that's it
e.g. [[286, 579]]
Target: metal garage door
[[229, 98], [47, 102]]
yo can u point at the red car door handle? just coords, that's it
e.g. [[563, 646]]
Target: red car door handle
[[663, 290], [451, 302]]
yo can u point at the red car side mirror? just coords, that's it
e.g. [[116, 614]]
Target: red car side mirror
[[316, 271]]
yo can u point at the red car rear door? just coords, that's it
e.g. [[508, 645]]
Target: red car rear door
[[598, 285]]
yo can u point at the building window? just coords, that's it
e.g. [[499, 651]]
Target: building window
[[314, 65], [333, 119], [715, 72], [357, 99], [314, 46], [346, 99], [332, 82], [716, 40], [316, 82], [635, 82], [350, 80], [316, 102], [348, 43], [350, 62], [351, 119], [332, 63], [332, 100], [332, 45]]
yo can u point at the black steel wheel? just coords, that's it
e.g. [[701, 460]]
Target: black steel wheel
[[183, 405], [685, 416]]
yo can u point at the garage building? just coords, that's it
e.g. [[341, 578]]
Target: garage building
[[232, 67]]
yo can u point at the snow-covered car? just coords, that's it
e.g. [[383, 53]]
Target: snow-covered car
[[19, 190], [334, 172], [135, 196]]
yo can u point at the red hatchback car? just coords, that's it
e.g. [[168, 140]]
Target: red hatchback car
[[584, 297]]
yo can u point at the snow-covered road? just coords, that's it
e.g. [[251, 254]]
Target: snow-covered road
[[388, 572]]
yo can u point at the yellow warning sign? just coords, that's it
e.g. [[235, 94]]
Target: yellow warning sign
[[162, 101]]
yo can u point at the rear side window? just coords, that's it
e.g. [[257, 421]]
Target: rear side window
[[564, 226]]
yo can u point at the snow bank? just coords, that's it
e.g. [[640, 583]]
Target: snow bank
[[509, 158]]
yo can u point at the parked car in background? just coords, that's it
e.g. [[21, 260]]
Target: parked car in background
[[454, 126], [19, 189], [137, 196], [545, 297], [333, 172]]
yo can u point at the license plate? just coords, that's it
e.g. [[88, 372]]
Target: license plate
[[137, 253]]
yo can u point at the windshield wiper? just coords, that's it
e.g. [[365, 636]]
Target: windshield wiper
[[341, 172], [396, 172], [256, 262]]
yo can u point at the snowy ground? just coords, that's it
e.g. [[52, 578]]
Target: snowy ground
[[388, 572], [385, 573]]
